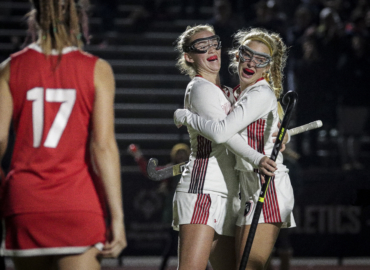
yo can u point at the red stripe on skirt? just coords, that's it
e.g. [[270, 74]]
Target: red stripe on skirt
[[201, 209], [271, 210]]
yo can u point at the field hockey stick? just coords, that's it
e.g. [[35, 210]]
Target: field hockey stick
[[158, 175], [289, 100], [304, 128]]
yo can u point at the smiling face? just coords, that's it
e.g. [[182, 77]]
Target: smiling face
[[205, 63], [248, 71]]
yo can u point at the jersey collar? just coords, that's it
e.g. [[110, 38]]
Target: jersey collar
[[36, 47], [200, 76], [235, 90]]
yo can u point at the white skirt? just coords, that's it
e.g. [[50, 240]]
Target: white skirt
[[278, 204], [209, 209]]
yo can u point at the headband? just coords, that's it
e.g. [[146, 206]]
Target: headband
[[263, 41]]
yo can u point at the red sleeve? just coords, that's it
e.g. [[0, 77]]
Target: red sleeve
[[142, 162]]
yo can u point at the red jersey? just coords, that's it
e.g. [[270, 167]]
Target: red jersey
[[53, 101]]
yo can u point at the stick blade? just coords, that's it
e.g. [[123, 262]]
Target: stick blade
[[151, 168], [158, 175]]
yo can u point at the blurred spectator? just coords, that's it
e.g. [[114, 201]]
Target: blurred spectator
[[315, 7], [303, 19], [225, 26], [331, 43], [179, 153], [341, 7], [353, 110], [319, 42], [357, 24], [269, 16], [311, 104], [329, 33]]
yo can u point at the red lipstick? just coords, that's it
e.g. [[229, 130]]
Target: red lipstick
[[248, 71], [212, 58]]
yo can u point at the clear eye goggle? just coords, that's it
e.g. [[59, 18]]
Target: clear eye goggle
[[260, 59], [202, 45]]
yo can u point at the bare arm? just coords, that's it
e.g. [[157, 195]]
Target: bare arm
[[6, 106], [106, 156]]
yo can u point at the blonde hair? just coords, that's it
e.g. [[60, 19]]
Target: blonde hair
[[278, 51], [58, 23], [184, 39]]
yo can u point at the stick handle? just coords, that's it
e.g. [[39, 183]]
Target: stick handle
[[252, 232], [307, 127]]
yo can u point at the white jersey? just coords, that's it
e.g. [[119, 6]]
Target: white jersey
[[254, 118], [211, 167]]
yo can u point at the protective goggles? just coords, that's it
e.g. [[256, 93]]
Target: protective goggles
[[202, 45], [260, 59]]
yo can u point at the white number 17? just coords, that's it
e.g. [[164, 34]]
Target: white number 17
[[67, 97]]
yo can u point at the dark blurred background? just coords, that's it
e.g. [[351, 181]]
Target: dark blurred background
[[328, 66]]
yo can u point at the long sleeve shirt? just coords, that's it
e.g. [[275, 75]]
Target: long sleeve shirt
[[211, 167], [254, 118]]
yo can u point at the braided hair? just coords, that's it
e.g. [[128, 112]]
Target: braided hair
[[58, 23]]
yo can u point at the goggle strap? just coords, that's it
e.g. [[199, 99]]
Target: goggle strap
[[191, 46]]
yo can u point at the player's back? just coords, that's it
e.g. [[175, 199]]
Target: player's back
[[53, 99]]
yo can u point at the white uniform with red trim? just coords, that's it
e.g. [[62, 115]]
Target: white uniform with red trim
[[254, 118], [208, 190], [210, 167]]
